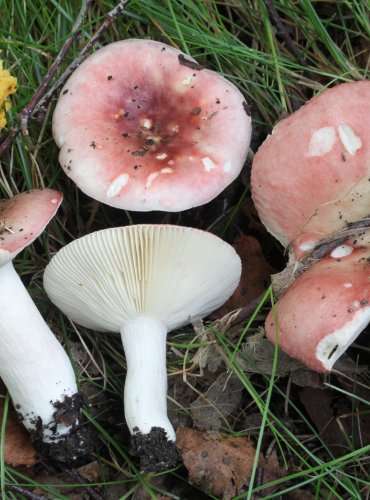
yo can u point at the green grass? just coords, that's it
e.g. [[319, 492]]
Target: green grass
[[238, 39]]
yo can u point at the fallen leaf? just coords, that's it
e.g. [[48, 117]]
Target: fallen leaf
[[220, 466], [270, 470], [255, 276], [221, 399], [256, 355], [91, 472], [307, 378], [19, 449], [207, 356]]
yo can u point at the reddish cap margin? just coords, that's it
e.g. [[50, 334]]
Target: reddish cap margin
[[23, 218], [332, 297]]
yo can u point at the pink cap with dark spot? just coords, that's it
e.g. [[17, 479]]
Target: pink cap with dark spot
[[23, 218], [143, 127]]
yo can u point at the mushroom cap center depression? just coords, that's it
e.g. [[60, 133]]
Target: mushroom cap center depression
[[138, 132], [153, 130], [154, 126]]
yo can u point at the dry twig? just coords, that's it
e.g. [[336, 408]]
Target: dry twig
[[109, 19], [25, 493], [285, 278], [283, 32], [27, 111], [40, 100]]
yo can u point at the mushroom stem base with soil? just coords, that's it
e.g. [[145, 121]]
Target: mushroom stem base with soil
[[33, 365], [144, 342], [143, 281]]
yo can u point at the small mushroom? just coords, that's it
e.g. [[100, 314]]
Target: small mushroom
[[142, 127], [312, 175], [326, 307], [142, 282], [33, 364]]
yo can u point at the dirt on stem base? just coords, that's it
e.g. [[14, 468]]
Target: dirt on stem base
[[155, 450], [73, 448]]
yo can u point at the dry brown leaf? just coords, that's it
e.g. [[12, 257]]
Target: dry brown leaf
[[19, 449], [271, 470], [257, 353], [222, 398], [91, 472], [207, 356], [307, 378], [255, 276], [220, 466]]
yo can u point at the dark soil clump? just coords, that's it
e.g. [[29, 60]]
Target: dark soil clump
[[73, 450], [156, 452]]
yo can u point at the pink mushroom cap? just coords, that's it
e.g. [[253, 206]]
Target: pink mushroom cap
[[143, 127], [326, 308], [312, 175], [23, 218]]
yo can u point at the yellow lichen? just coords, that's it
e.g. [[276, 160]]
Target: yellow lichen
[[8, 85]]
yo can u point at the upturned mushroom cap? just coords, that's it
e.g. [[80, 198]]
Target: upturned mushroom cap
[[326, 308], [143, 127], [312, 174], [169, 273], [23, 218]]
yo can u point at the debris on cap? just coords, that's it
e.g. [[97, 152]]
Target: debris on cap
[[326, 307], [142, 127]]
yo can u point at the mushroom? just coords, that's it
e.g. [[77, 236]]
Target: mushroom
[[143, 281], [326, 307], [143, 127], [33, 364], [311, 176]]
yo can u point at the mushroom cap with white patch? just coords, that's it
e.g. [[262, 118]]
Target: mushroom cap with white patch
[[23, 218], [326, 307], [169, 273], [311, 176], [143, 127]]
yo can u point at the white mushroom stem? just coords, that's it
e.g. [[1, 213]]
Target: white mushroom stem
[[33, 365], [144, 342]]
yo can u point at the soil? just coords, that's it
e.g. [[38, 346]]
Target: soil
[[74, 450], [77, 445], [156, 452]]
